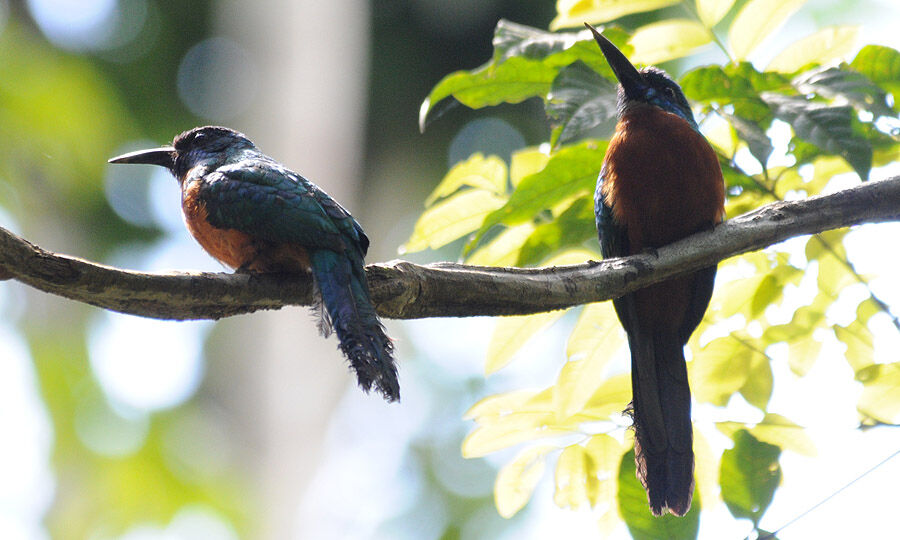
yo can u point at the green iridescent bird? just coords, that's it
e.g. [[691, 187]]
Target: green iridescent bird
[[255, 215]]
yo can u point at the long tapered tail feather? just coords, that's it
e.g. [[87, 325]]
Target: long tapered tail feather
[[663, 436], [348, 309]]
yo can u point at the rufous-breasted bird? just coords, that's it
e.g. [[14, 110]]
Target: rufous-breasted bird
[[255, 215], [660, 181]]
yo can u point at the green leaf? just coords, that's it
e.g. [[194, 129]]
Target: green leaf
[[570, 172], [712, 11], [854, 87], [751, 133], [859, 341], [758, 388], [667, 40], [512, 81], [749, 475], [785, 434], [579, 379], [880, 397], [721, 368], [452, 218], [579, 101], [571, 228], [486, 173], [881, 65], [517, 479], [821, 47], [511, 334], [739, 85], [610, 397], [587, 474], [827, 127], [635, 510], [525, 62], [526, 162], [503, 249], [574, 13], [756, 21]]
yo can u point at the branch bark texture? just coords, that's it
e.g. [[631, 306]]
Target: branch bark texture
[[403, 290]]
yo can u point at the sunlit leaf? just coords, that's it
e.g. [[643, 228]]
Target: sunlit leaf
[[712, 11], [513, 81], [610, 397], [526, 162], [571, 228], [721, 368], [758, 388], [488, 173], [517, 479], [569, 173], [752, 134], [452, 218], [511, 334], [880, 398], [502, 250], [597, 329], [706, 469], [579, 100], [574, 13], [756, 21], [634, 508], [881, 65], [576, 480], [749, 474], [778, 430], [859, 341], [667, 40], [834, 42], [499, 405]]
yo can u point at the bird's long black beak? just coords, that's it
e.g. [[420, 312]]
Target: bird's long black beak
[[164, 156], [629, 77]]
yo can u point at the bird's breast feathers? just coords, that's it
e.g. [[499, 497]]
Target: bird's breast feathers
[[662, 179]]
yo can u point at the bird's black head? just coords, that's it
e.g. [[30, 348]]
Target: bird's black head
[[212, 145], [649, 85]]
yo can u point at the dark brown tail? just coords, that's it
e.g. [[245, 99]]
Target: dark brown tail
[[663, 436]]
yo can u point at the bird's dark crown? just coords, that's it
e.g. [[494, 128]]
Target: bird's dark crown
[[210, 139]]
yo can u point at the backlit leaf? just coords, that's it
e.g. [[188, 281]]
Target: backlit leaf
[[511, 334], [488, 173], [756, 21], [880, 398], [712, 11], [881, 65], [834, 42], [749, 474], [854, 87], [569, 173], [517, 479], [574, 13], [526, 162], [502, 250], [571, 228], [757, 390], [778, 430], [452, 218], [667, 40]]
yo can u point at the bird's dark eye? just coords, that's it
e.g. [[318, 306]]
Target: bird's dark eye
[[669, 92]]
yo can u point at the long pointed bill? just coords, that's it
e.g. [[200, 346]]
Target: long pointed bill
[[164, 156], [629, 77]]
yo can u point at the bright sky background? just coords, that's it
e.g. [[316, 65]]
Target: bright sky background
[[824, 400]]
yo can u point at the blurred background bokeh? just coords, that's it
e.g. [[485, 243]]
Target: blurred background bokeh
[[120, 427]]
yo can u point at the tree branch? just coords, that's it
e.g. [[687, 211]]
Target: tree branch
[[402, 290]]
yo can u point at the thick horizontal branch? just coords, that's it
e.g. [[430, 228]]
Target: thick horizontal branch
[[403, 290]]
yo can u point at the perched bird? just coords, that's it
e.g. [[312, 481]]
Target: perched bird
[[660, 181], [254, 215]]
